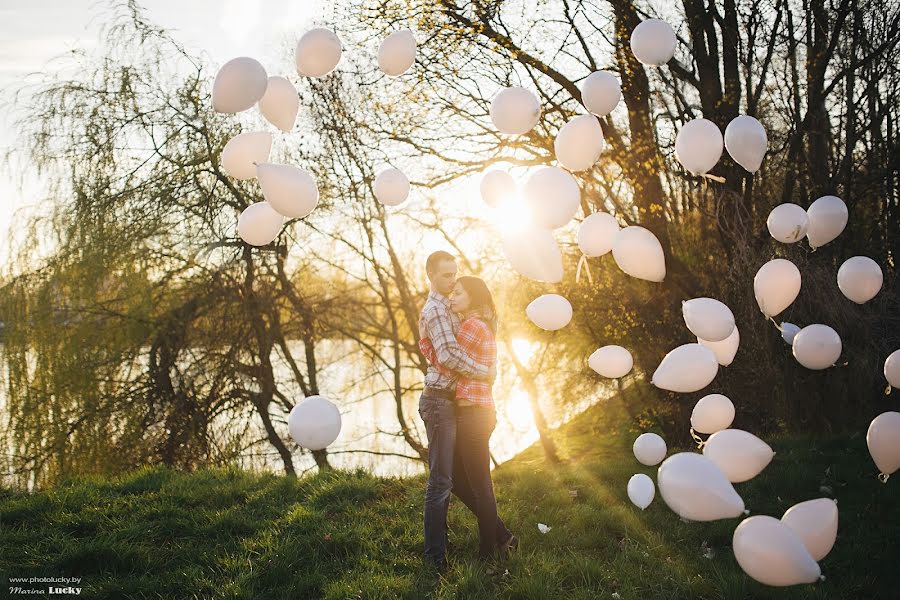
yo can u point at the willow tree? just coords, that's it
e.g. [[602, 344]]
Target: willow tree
[[150, 332]]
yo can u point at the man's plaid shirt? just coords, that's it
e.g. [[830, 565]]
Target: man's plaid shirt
[[441, 325]]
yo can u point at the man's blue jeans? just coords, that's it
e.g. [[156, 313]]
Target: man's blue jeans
[[439, 416]]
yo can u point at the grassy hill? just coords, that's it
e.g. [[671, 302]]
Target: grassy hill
[[157, 533]]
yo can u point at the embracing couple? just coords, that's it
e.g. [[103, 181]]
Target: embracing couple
[[457, 331]]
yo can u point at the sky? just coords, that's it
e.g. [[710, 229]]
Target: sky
[[35, 32]]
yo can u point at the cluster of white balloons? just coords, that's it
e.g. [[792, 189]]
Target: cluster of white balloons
[[699, 144], [291, 192], [822, 222]]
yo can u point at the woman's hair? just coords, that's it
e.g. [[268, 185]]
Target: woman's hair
[[481, 300]]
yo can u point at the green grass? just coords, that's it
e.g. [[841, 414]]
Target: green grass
[[157, 533]]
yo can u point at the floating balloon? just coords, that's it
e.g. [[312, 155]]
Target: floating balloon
[[515, 110], [597, 234], [318, 52], [740, 455], [698, 146], [497, 187], [883, 439], [259, 224], [712, 413], [771, 553], [289, 190], [641, 490], [892, 369], [649, 449], [695, 489], [708, 318], [725, 349], [860, 279], [653, 42], [611, 361], [776, 286], [534, 253], [639, 254], [746, 142], [391, 187], [817, 347], [244, 151], [553, 197], [788, 223], [601, 92], [579, 143], [816, 523], [687, 368], [827, 219], [550, 312], [397, 53], [788, 332], [239, 84], [314, 423], [280, 103]]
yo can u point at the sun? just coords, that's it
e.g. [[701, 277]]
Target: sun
[[511, 215], [518, 411]]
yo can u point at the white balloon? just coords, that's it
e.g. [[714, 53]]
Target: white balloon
[[687, 368], [788, 223], [397, 53], [653, 42], [695, 489], [318, 52], [698, 146], [239, 84], [314, 423], [639, 254], [708, 318], [860, 279], [534, 253], [391, 187], [280, 103], [725, 349], [515, 110], [788, 332], [740, 455], [497, 187], [816, 523], [746, 142], [259, 224], [641, 490], [244, 151], [553, 197], [776, 286], [649, 449], [579, 142], [827, 219], [597, 234], [712, 413], [883, 439], [288, 189], [550, 312], [601, 92], [892, 369], [817, 346], [611, 361], [771, 553]]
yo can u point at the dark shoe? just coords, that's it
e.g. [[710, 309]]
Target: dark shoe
[[510, 547], [441, 567]]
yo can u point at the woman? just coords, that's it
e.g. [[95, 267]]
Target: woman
[[475, 414]]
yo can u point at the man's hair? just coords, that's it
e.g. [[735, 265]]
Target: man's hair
[[434, 258]]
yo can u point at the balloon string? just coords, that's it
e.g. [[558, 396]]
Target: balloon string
[[777, 326], [887, 390], [697, 439], [583, 262], [883, 477]]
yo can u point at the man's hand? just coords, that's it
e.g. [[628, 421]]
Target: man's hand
[[492, 374]]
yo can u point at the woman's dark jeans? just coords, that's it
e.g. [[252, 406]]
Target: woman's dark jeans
[[472, 475]]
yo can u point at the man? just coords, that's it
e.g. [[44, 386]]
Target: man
[[436, 406]]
